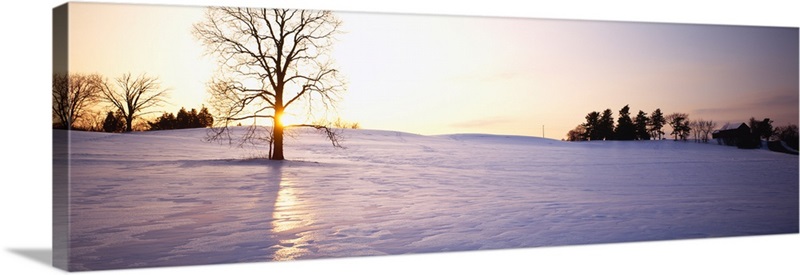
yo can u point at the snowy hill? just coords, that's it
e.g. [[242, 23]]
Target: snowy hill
[[167, 198]]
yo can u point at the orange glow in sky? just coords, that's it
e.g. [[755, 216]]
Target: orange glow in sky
[[455, 74]]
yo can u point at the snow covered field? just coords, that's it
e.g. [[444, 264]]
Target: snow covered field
[[168, 198]]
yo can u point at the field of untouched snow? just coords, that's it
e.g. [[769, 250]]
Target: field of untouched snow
[[168, 198]]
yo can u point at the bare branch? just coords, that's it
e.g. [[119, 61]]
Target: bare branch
[[133, 96], [333, 134], [73, 94], [269, 59]]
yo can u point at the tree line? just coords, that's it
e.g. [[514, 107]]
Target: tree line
[[601, 126], [91, 102]]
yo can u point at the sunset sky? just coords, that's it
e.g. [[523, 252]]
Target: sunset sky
[[457, 74]]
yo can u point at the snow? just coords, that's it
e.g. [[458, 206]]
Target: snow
[[168, 198]]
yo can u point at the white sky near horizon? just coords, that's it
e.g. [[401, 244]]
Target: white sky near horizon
[[458, 74]]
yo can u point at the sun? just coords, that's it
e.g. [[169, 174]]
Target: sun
[[286, 119]]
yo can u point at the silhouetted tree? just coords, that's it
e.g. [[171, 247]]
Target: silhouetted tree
[[761, 129], [709, 128], [606, 125], [577, 134], [657, 122], [640, 125], [131, 96], [592, 127], [270, 59], [625, 129], [194, 121], [182, 119], [73, 95], [695, 125], [205, 118], [788, 134], [680, 125], [166, 121], [702, 128], [114, 122]]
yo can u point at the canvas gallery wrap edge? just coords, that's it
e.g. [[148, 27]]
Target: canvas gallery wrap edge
[[390, 134]]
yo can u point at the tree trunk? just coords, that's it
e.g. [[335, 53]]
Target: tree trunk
[[129, 124], [277, 137]]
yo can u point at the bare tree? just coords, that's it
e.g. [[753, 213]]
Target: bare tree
[[269, 60], [706, 126], [131, 96], [92, 121], [73, 95], [695, 125], [701, 129], [577, 134]]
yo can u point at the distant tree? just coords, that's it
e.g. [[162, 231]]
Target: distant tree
[[606, 125], [591, 127], [166, 121], [640, 125], [340, 123], [695, 125], [141, 125], [577, 134], [761, 129], [680, 125], [710, 127], [788, 134], [92, 121], [625, 129], [73, 95], [182, 119], [657, 122], [205, 118], [131, 96], [114, 122], [194, 121], [702, 128]]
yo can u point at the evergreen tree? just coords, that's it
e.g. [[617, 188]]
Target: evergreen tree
[[205, 118], [625, 129], [182, 119], [592, 126], [640, 124], [114, 123], [606, 125], [657, 122], [194, 122], [166, 121]]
